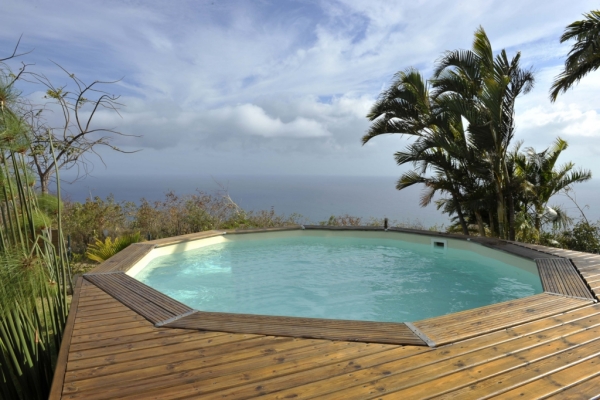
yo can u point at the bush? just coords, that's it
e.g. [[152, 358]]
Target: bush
[[103, 250], [583, 237]]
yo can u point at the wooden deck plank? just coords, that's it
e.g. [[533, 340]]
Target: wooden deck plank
[[423, 374], [125, 340], [498, 384], [459, 326], [117, 314], [107, 312], [202, 346], [202, 358], [375, 332], [486, 311], [224, 375], [579, 390], [318, 377], [131, 291], [153, 305], [61, 363], [560, 276], [202, 388], [474, 371], [512, 248], [99, 307], [173, 306], [426, 366], [112, 350], [552, 383], [120, 333]]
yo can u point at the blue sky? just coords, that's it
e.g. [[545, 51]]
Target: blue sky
[[283, 87]]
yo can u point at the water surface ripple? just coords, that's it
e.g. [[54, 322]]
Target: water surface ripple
[[339, 278]]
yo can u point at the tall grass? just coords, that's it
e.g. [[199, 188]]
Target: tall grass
[[34, 276]]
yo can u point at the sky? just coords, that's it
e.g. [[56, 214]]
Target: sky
[[283, 87]]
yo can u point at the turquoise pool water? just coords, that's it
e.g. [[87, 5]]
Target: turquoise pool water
[[336, 277]]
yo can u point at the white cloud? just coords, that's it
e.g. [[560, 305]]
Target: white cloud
[[249, 119], [294, 78], [573, 120]]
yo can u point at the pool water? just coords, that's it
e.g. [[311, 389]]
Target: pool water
[[336, 277]]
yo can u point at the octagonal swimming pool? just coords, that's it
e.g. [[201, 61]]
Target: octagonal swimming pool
[[351, 275]]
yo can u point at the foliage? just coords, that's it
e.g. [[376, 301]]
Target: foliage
[[541, 179], [343, 220], [102, 250], [175, 215], [582, 237], [462, 123], [35, 276], [63, 131], [49, 204], [584, 56], [85, 222]]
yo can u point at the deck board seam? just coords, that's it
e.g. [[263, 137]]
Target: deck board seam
[[593, 300], [173, 319], [420, 334], [585, 281]]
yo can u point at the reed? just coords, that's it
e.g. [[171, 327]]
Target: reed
[[35, 275]]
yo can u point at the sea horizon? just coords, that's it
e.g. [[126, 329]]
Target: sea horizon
[[316, 198]]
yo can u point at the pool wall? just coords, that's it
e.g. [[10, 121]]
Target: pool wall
[[464, 244]]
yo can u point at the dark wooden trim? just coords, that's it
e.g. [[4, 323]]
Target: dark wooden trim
[[146, 301], [558, 275], [314, 328], [466, 324], [63, 354]]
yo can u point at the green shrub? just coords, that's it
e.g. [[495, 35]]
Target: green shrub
[[583, 237], [103, 250]]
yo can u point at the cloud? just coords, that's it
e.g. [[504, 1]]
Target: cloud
[[570, 119], [249, 119], [287, 79], [274, 122]]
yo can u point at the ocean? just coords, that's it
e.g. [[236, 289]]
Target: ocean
[[316, 198]]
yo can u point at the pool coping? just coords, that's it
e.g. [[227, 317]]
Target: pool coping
[[560, 279]]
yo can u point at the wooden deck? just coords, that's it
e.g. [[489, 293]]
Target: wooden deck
[[125, 340], [588, 265], [114, 353], [559, 276]]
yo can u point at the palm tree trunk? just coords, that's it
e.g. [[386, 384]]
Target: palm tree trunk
[[511, 216], [463, 223], [538, 219], [480, 225], [501, 217], [492, 225], [461, 217]]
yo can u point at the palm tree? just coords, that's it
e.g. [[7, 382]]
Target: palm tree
[[543, 179], [584, 57], [406, 108], [483, 90]]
